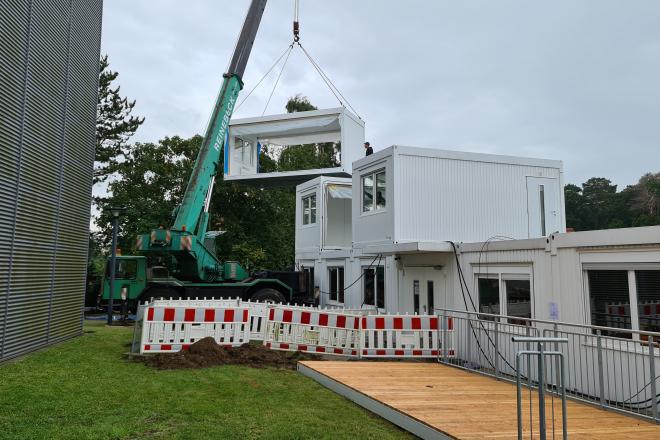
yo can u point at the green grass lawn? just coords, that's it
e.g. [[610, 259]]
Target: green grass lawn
[[85, 388]]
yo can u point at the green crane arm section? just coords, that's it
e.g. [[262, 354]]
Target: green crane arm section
[[185, 240]]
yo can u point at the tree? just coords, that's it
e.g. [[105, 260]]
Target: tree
[[644, 200], [258, 224], [114, 124], [150, 184], [305, 157]]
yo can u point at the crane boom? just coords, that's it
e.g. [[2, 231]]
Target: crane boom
[[189, 215], [184, 242]]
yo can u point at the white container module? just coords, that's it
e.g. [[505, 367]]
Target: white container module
[[323, 214], [409, 194], [247, 137]]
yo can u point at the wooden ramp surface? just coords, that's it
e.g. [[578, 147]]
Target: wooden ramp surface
[[466, 405]]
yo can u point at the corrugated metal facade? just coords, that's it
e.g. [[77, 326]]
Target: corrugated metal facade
[[49, 61]]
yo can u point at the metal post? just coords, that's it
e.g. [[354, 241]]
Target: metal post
[[541, 392], [519, 398], [654, 392], [445, 328], [113, 263], [497, 351], [564, 416], [601, 378]]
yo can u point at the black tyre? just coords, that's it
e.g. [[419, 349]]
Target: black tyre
[[268, 295]]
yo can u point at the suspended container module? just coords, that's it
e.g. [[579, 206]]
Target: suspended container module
[[248, 138]]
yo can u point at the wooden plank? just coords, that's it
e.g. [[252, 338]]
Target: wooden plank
[[466, 405]]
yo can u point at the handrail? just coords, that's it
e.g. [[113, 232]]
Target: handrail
[[549, 322]]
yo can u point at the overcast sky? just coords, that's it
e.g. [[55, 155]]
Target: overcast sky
[[572, 80]]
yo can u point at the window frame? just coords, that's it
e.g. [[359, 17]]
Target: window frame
[[631, 269], [311, 197], [503, 274], [374, 205], [375, 268], [340, 292]]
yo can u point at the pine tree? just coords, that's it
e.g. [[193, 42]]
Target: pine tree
[[114, 124]]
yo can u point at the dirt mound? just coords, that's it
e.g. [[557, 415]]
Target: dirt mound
[[207, 353]]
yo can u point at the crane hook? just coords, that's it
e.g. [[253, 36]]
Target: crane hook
[[296, 31], [296, 23]]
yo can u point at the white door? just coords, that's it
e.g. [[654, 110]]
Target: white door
[[425, 290], [543, 206]]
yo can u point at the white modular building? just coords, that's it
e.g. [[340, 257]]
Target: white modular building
[[421, 195]]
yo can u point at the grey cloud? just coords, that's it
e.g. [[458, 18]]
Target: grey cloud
[[576, 81]]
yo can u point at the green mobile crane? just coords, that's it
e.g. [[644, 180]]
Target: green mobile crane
[[187, 266]]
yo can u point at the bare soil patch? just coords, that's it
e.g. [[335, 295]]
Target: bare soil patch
[[207, 353]]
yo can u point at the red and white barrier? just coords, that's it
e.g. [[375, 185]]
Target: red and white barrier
[[312, 330], [406, 336], [172, 325], [167, 328]]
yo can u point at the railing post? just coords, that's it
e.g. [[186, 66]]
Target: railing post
[[541, 392], [497, 350], [601, 378], [519, 398], [445, 331], [555, 331], [468, 335], [654, 392]]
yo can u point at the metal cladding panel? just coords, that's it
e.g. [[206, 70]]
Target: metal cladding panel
[[442, 199], [48, 93], [371, 228]]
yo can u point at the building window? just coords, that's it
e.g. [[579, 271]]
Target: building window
[[308, 274], [506, 294], [309, 210], [625, 299], [374, 192], [518, 300], [374, 287], [336, 277], [609, 300], [489, 296], [648, 299]]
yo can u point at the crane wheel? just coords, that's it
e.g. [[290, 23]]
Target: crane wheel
[[268, 295]]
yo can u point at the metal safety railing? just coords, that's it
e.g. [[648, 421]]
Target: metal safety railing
[[614, 368], [543, 372]]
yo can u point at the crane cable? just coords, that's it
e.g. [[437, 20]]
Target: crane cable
[[287, 52]]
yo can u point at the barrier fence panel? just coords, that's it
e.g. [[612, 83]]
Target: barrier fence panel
[[312, 330], [169, 329], [406, 336]]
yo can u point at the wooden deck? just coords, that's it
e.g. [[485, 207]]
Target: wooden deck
[[447, 402]]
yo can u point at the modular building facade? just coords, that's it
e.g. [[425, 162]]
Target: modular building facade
[[49, 67], [410, 194]]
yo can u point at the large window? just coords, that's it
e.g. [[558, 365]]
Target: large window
[[609, 299], [648, 299], [374, 287], [336, 278], [611, 294], [124, 269], [505, 293], [309, 210], [489, 295], [374, 192]]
